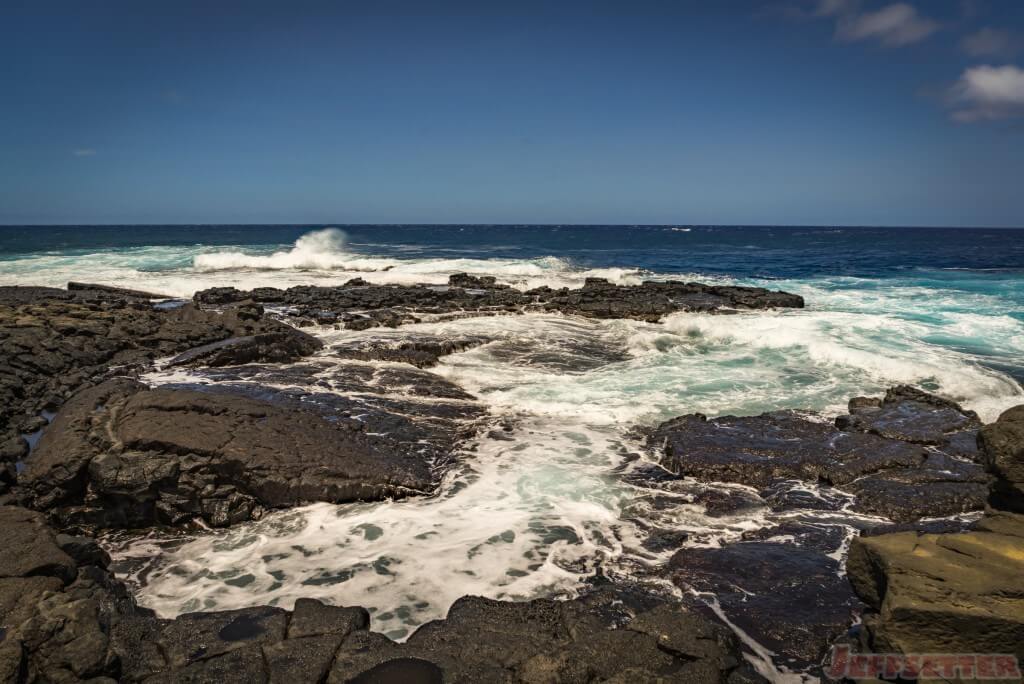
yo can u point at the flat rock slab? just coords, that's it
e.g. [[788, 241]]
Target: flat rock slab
[[944, 593], [791, 599], [124, 455]]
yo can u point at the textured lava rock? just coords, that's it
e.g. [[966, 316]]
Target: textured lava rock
[[276, 347], [791, 599], [422, 351], [359, 305], [122, 455], [52, 342], [894, 467], [546, 641]]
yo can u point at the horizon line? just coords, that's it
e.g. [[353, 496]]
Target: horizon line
[[511, 225]]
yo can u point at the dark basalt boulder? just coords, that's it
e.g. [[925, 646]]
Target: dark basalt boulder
[[790, 599], [760, 450], [931, 473], [359, 305], [123, 455], [942, 486], [55, 610], [466, 281]]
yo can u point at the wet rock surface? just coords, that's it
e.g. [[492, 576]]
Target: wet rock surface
[[422, 351], [894, 467], [359, 305], [67, 620], [792, 598], [784, 584], [123, 455]]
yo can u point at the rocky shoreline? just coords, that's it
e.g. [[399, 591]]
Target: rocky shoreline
[[261, 424]]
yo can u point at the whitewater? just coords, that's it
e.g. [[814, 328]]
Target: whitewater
[[554, 504]]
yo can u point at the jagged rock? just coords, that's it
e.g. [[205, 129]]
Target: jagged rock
[[910, 415], [942, 486], [313, 618], [360, 305], [894, 467], [1003, 454], [760, 450], [464, 280], [122, 455], [36, 549], [544, 641]]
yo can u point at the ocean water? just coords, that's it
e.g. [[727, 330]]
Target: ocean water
[[557, 504]]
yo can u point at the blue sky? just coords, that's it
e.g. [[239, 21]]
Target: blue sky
[[791, 112]]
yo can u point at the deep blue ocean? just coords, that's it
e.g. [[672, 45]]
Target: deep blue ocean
[[741, 251]]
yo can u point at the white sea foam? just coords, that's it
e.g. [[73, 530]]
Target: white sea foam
[[317, 258]]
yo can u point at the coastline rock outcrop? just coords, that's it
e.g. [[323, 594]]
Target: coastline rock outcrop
[[64, 618], [959, 592], [943, 593], [359, 305], [422, 351], [1002, 446], [52, 342], [905, 457], [123, 455]]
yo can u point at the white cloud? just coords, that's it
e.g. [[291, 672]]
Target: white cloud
[[84, 152], [986, 93], [893, 25], [990, 42]]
